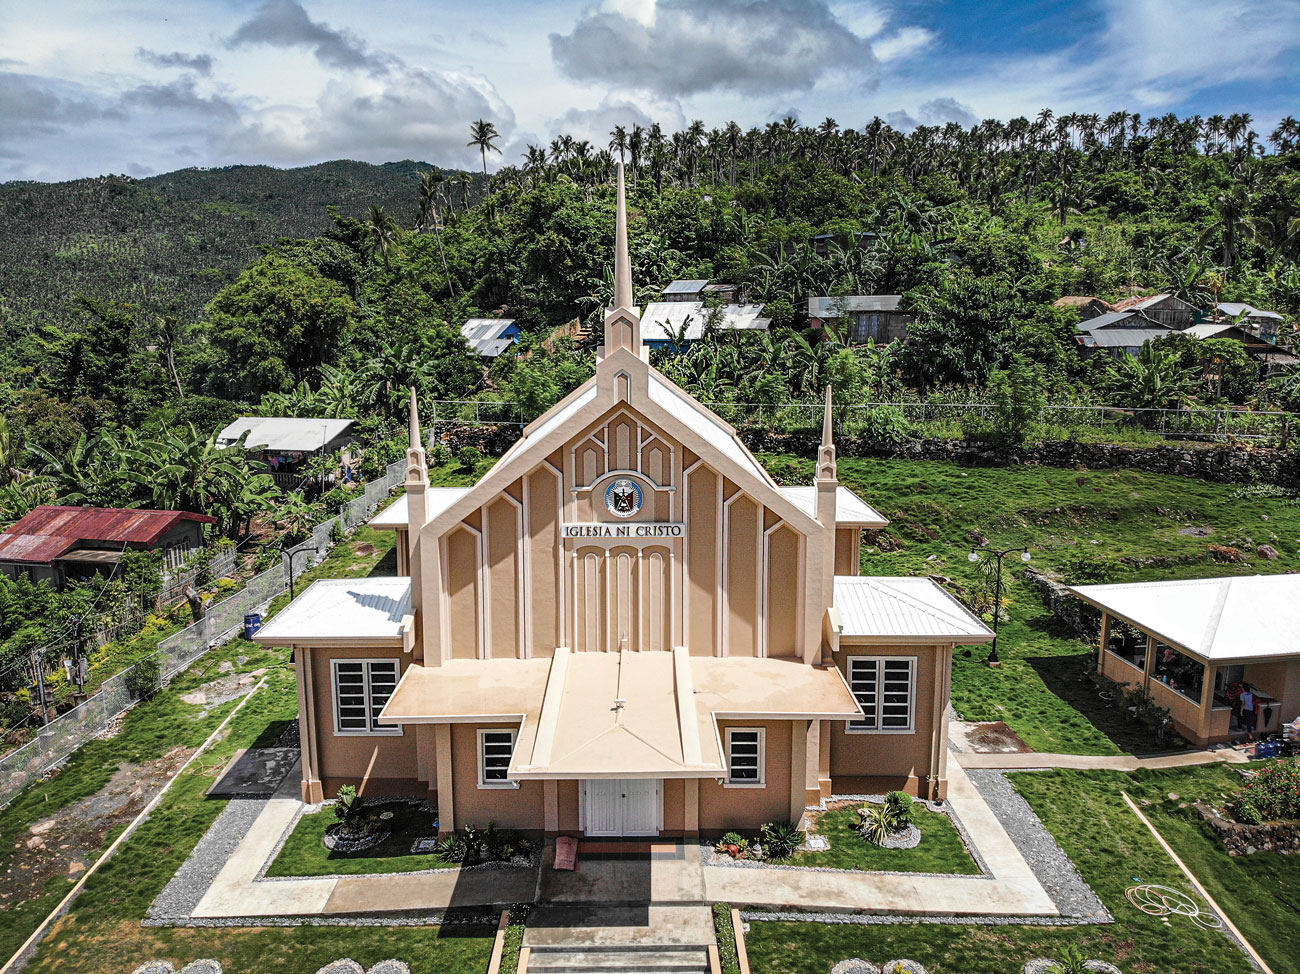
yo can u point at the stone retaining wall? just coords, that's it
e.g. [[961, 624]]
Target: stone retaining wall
[[1246, 840], [1222, 464], [1082, 619]]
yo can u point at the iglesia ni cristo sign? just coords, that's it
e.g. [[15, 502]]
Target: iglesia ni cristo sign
[[633, 531]]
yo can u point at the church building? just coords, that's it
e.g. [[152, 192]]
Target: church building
[[626, 627]]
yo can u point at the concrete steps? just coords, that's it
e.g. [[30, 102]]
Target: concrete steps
[[639, 959]]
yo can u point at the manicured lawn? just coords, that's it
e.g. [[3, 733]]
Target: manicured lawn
[[1085, 526], [941, 850], [1111, 849], [1259, 893], [304, 853]]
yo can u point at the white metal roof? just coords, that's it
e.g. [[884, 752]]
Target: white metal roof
[[297, 434], [685, 287], [662, 319], [395, 514], [1209, 329], [833, 306], [359, 611], [485, 335], [1246, 617], [1235, 308], [885, 610], [850, 509]]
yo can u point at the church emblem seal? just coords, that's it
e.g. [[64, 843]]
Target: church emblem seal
[[623, 498]]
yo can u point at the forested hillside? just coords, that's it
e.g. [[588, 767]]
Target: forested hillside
[[169, 243]]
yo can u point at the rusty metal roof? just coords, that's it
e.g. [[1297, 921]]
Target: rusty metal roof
[[50, 531]]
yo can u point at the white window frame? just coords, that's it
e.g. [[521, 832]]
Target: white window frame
[[878, 716], [483, 782], [733, 782], [372, 729]]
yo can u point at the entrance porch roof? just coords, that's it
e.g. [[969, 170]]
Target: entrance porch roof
[[619, 715]]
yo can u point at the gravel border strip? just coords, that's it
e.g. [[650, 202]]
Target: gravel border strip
[[1052, 867], [351, 920], [187, 887]]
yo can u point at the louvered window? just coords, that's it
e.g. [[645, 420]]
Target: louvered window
[[495, 748], [745, 758], [885, 688], [361, 688]]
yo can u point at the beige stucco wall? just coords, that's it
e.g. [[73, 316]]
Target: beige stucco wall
[[515, 808], [376, 764], [848, 551], [874, 762], [723, 808]]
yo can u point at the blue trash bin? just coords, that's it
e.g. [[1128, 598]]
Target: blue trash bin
[[252, 623]]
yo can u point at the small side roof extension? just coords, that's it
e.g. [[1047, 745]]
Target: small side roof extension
[[893, 610]]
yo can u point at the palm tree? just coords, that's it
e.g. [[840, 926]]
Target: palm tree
[[483, 134], [381, 230], [431, 181], [618, 141], [1152, 379], [1231, 220]]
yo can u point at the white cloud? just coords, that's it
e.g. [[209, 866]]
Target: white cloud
[[903, 43]]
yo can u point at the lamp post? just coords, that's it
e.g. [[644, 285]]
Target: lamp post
[[993, 659], [291, 554]]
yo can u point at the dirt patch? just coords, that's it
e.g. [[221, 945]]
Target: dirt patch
[[222, 690], [995, 737], [1196, 532], [363, 549], [66, 843]]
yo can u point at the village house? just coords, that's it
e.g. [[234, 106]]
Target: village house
[[489, 337], [1164, 309], [674, 325], [1196, 644], [694, 291], [626, 627], [283, 444], [1086, 305], [870, 317], [1263, 351], [1265, 324], [61, 544]]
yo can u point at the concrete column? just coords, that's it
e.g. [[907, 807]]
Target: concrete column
[[313, 791], [403, 552], [1207, 704], [812, 764], [798, 769], [551, 806], [691, 808], [824, 784], [446, 800], [1105, 638]]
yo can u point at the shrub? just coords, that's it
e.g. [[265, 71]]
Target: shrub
[[453, 848], [1071, 962], [898, 805], [143, 679], [877, 825], [469, 457], [886, 426], [780, 839], [726, 933], [1274, 791], [1245, 812], [349, 805], [439, 455]]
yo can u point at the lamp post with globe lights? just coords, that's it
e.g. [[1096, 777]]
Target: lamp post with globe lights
[[974, 556]]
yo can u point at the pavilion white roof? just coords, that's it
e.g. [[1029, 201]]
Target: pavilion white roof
[[343, 611], [1241, 618], [289, 433], [395, 514], [851, 511], [662, 319], [892, 610]]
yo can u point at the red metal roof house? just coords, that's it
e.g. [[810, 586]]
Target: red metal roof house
[[53, 543]]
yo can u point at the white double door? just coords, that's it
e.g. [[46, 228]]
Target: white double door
[[622, 806]]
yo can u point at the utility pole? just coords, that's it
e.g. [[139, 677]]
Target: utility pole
[[40, 687]]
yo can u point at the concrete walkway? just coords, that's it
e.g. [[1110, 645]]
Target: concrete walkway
[[1010, 890], [670, 877], [1089, 762]]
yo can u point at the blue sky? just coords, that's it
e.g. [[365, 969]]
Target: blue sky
[[139, 86]]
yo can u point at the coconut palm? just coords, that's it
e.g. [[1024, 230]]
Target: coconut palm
[[431, 181], [482, 135], [381, 234]]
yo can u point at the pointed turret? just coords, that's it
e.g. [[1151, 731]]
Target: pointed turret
[[417, 508], [417, 468], [827, 484], [623, 321], [826, 469]]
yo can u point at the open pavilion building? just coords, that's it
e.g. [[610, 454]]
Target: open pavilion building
[[1193, 643], [626, 627]]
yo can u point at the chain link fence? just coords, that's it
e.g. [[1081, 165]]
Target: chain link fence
[[56, 741]]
